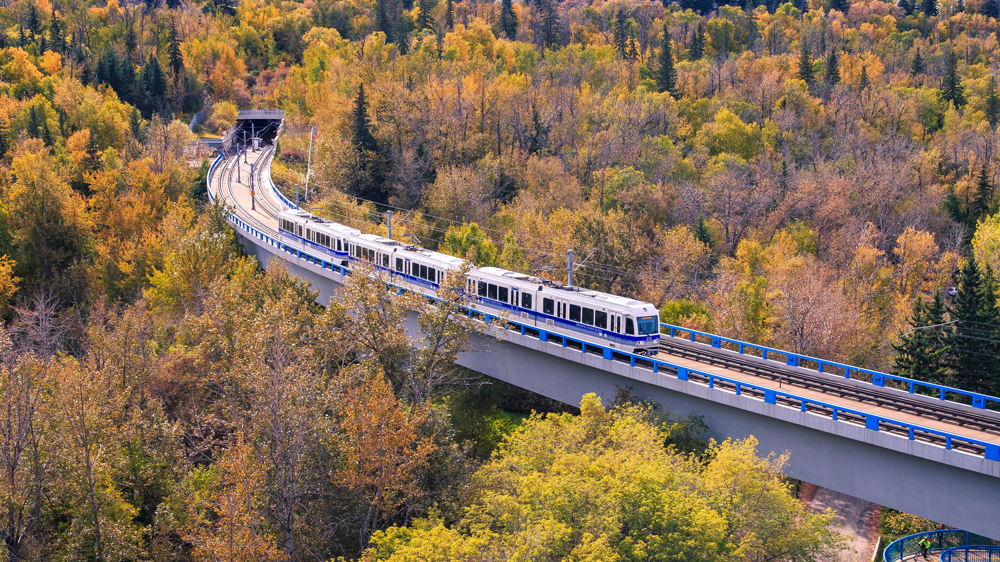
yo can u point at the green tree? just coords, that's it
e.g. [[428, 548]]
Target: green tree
[[508, 19], [550, 24], [833, 67], [469, 241], [697, 49], [666, 75], [621, 33], [982, 204], [56, 38], [425, 19], [174, 52], [918, 66], [806, 72], [864, 83], [369, 167], [907, 6], [992, 108], [383, 21], [929, 7], [973, 351], [918, 354], [840, 5], [990, 9], [952, 90], [449, 15]]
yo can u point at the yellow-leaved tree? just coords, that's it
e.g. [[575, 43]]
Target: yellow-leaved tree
[[602, 486]]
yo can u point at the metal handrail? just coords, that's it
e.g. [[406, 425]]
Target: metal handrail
[[945, 540], [878, 378], [991, 451], [972, 553]]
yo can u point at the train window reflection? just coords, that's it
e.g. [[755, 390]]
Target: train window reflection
[[588, 316], [482, 289], [526, 300], [548, 306], [574, 312], [502, 296], [601, 319]]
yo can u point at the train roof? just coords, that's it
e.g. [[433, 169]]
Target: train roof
[[423, 252], [309, 217], [596, 295]]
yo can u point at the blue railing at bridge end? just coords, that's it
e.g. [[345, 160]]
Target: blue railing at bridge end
[[943, 541]]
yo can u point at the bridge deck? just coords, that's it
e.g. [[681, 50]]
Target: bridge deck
[[836, 400]]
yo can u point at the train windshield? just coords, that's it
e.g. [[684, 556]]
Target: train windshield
[[647, 326]]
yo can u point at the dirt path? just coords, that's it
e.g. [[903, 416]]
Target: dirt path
[[855, 518]]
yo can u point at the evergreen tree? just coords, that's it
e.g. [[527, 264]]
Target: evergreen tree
[[666, 75], [551, 34], [992, 104], [4, 139], [174, 53], [951, 85], [918, 66], [368, 177], [620, 33], [959, 6], [424, 20], [383, 22], [990, 9], [92, 160], [34, 21], [919, 355], [136, 126], [697, 49], [56, 34], [907, 6], [806, 72], [403, 39], [154, 82], [508, 19], [131, 41], [833, 67], [449, 15], [973, 352], [840, 5], [22, 39], [983, 202], [864, 83], [929, 7], [361, 126], [702, 234]]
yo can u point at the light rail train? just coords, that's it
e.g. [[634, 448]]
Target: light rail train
[[591, 316]]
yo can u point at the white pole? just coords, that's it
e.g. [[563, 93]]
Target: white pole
[[312, 131]]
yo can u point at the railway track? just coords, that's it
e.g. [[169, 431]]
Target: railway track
[[227, 193], [898, 401]]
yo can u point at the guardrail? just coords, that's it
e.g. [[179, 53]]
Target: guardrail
[[902, 429], [976, 553], [979, 401], [946, 540]]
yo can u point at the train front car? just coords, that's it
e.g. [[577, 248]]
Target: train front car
[[647, 328]]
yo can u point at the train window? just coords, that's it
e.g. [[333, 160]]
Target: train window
[[647, 326], [574, 312], [482, 289], [492, 292], [423, 272], [548, 306], [588, 316], [601, 319], [526, 300], [399, 264], [629, 327], [385, 260], [309, 234], [431, 274], [502, 296], [339, 249]]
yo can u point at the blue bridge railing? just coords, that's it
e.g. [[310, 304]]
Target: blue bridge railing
[[977, 553], [876, 378], [873, 422], [941, 541]]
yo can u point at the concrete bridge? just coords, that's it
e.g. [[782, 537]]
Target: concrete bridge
[[859, 432]]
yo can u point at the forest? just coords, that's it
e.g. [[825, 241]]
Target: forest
[[817, 176]]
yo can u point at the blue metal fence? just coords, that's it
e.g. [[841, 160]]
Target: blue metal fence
[[990, 451], [947, 540], [832, 367], [977, 553]]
